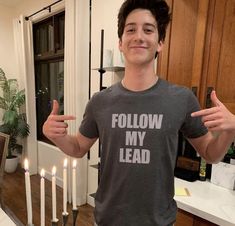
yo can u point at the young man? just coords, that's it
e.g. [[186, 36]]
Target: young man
[[137, 122]]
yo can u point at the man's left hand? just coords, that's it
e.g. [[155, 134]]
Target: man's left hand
[[217, 118]]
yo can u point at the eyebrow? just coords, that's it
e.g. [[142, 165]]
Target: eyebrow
[[145, 24]]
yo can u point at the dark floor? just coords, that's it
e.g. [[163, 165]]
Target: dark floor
[[14, 198]]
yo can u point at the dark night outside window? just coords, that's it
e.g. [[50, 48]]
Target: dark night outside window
[[48, 36]]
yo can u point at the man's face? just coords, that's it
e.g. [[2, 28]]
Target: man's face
[[139, 42]]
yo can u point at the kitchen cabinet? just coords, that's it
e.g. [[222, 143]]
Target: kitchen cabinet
[[187, 219], [184, 218], [219, 57], [181, 60], [199, 49]]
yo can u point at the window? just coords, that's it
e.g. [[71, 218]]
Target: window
[[48, 36]]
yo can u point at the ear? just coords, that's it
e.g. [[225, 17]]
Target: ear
[[120, 45], [159, 46]]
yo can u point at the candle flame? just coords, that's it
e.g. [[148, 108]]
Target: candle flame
[[74, 163], [26, 164], [65, 163], [42, 173], [53, 171]]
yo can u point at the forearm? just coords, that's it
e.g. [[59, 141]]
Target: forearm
[[69, 145], [218, 146]]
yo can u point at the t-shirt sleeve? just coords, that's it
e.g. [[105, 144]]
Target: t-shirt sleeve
[[193, 126], [88, 126]]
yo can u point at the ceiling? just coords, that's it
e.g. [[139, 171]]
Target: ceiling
[[11, 3]]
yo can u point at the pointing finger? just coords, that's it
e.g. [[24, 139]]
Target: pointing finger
[[204, 112], [62, 118]]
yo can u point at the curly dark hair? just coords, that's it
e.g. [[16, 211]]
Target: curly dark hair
[[158, 8]]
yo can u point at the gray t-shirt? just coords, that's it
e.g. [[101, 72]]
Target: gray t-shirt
[[138, 132]]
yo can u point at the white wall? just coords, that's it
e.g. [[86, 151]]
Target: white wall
[[7, 52], [104, 16], [27, 7]]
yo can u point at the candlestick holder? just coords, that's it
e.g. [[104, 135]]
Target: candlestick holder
[[75, 215], [55, 222], [65, 217]]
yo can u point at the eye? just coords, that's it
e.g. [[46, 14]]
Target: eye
[[130, 30], [148, 30]]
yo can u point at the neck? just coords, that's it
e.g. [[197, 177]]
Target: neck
[[139, 78], [140, 83]]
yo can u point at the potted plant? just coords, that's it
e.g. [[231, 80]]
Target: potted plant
[[13, 121]]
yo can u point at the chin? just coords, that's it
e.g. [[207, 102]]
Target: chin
[[141, 60]]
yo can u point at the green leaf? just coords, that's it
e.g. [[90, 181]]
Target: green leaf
[[2, 75], [10, 117], [3, 104], [22, 128], [18, 100], [4, 128]]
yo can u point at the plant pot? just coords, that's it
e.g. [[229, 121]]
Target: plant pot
[[11, 164]]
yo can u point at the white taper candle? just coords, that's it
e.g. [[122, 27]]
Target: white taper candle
[[42, 190], [74, 184], [28, 192], [65, 186], [54, 194]]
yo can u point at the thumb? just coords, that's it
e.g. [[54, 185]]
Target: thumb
[[214, 99], [55, 108]]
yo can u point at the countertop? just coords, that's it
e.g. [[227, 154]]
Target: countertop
[[5, 219], [209, 201]]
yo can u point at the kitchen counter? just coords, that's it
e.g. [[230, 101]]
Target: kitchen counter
[[208, 201], [5, 219]]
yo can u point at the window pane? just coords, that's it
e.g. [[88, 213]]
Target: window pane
[[49, 86], [43, 37], [50, 38], [61, 32]]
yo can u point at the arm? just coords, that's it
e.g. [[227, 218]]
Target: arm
[[221, 126], [55, 129]]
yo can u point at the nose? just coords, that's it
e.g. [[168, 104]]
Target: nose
[[139, 36]]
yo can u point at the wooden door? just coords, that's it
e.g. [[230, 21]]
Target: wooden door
[[181, 60], [219, 59]]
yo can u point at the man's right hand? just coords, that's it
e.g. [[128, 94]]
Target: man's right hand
[[55, 126]]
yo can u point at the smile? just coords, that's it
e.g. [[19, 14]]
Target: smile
[[138, 47]]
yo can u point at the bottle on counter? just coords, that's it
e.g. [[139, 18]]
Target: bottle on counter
[[202, 171], [232, 157]]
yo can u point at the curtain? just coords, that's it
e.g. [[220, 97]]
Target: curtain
[[76, 70], [24, 54]]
